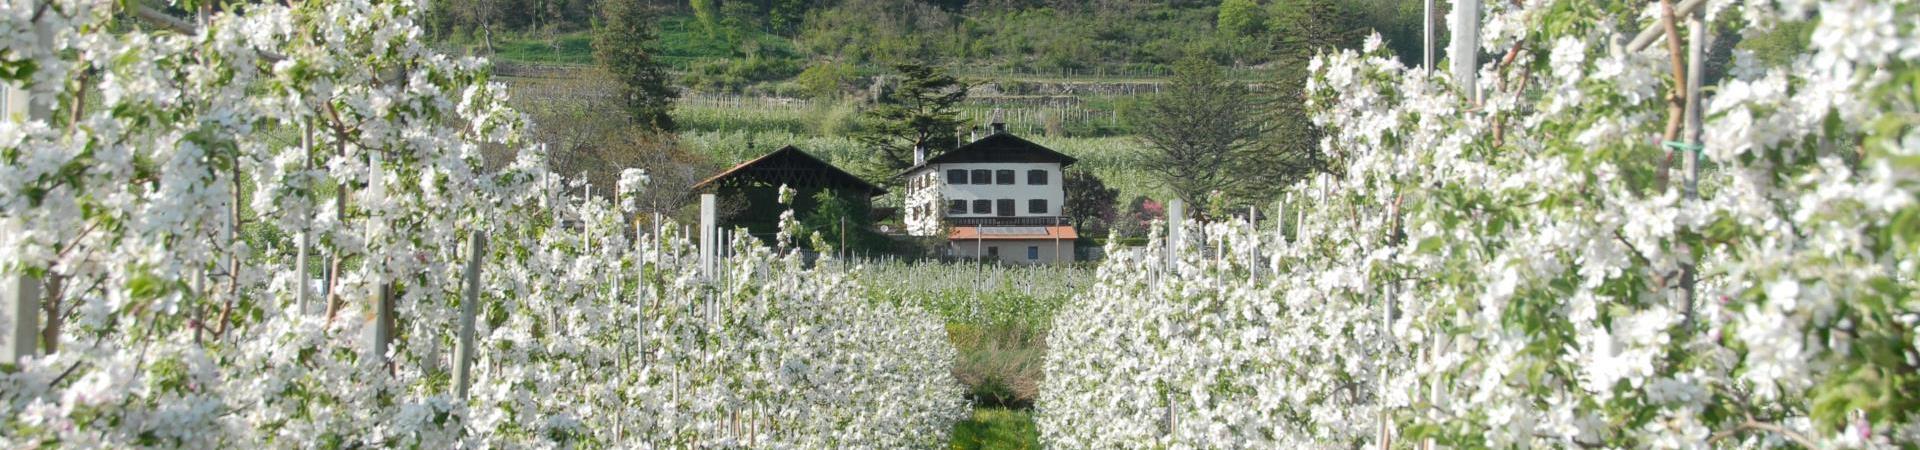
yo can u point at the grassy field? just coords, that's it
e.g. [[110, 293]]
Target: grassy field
[[996, 429], [997, 317], [682, 42]]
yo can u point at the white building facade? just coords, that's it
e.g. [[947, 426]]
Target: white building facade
[[1000, 188]]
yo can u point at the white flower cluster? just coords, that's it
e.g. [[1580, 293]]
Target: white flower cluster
[[1542, 281], [140, 205]]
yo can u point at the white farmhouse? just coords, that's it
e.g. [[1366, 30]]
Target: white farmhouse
[[1000, 196]]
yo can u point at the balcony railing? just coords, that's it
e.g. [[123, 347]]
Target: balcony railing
[[1029, 221]]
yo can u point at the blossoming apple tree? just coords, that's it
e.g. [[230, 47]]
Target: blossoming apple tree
[[249, 225], [1529, 270]]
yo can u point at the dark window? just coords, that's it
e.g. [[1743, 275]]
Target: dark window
[[957, 207], [1037, 206], [956, 176], [1006, 207], [981, 176], [993, 252], [1033, 253], [1003, 176], [1037, 177], [983, 206]]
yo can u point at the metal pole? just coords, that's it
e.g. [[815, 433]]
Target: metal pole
[[463, 351], [1465, 48]]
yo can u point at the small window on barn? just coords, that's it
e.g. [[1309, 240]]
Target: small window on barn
[[983, 206], [957, 207], [956, 176], [993, 252], [981, 176], [1037, 206], [1033, 253], [1003, 176], [1037, 177], [1006, 207]]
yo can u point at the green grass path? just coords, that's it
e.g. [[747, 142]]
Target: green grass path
[[996, 428]]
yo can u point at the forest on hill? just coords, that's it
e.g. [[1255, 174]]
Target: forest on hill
[[760, 40]]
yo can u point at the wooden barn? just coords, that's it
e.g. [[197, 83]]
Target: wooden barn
[[750, 191]]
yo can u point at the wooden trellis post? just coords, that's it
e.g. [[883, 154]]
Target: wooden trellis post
[[463, 350]]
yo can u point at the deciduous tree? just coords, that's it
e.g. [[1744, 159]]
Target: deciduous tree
[[1090, 203]]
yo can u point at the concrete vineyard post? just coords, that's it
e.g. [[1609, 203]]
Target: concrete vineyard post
[[306, 233], [20, 291], [1696, 70], [1465, 48], [1176, 231], [707, 204], [469, 305], [21, 297], [1429, 30]]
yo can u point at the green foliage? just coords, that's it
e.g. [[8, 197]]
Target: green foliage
[[1200, 134], [569, 48], [621, 46], [704, 11], [921, 112], [1241, 17], [735, 75], [1090, 203], [843, 222], [1304, 27], [827, 79], [1777, 46]]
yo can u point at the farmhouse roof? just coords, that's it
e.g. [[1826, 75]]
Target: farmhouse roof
[[791, 166], [998, 147]]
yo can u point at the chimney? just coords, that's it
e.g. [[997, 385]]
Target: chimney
[[998, 121], [919, 156]]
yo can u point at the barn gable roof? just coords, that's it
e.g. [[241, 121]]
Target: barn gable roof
[[791, 166]]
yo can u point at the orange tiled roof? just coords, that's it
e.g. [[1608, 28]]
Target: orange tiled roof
[[1011, 233]]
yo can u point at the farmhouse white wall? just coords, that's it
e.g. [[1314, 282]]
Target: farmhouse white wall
[[1014, 251], [1020, 192]]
